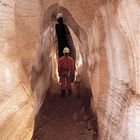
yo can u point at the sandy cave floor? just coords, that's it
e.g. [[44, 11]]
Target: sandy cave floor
[[64, 119]]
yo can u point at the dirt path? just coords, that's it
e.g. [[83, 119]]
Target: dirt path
[[63, 119]]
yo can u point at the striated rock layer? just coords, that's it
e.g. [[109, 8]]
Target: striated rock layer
[[106, 35]]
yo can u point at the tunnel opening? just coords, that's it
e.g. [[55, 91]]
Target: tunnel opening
[[47, 49], [80, 87]]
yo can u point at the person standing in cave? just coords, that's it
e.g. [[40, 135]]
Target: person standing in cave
[[62, 33], [65, 70], [64, 39]]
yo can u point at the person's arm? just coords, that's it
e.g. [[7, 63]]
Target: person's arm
[[72, 65], [60, 65]]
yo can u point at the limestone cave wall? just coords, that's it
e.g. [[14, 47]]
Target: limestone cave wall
[[106, 35]]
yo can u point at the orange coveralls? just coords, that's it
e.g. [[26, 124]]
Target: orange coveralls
[[65, 69]]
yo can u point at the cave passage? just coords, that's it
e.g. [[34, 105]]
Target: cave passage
[[68, 118], [106, 36]]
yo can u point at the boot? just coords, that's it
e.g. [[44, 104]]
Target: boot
[[62, 93], [69, 92]]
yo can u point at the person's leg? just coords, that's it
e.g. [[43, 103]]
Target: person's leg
[[62, 81], [69, 86], [62, 93], [69, 92]]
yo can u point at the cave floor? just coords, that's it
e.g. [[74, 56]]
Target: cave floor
[[63, 119]]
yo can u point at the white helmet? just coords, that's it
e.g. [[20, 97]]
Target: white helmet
[[66, 50], [59, 15]]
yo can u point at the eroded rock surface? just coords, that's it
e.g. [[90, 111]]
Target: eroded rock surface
[[106, 35]]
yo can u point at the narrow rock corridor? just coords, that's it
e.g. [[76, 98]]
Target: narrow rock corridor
[[64, 119], [106, 38]]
